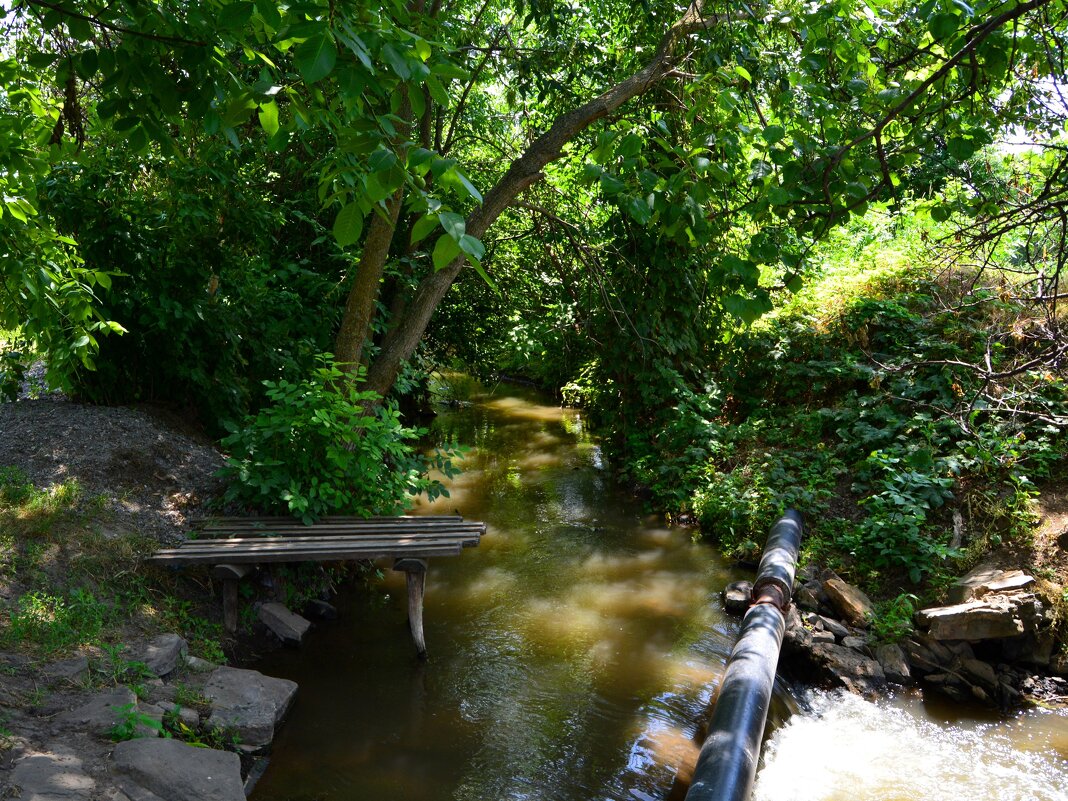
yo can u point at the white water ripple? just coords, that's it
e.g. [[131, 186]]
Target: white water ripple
[[850, 748]]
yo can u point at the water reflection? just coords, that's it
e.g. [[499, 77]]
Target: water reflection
[[571, 652]]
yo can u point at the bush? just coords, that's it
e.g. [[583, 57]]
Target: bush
[[320, 446]]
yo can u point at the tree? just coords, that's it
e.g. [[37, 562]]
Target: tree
[[745, 134]]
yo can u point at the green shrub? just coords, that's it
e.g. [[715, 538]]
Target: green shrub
[[321, 446]]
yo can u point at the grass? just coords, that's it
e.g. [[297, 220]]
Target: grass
[[72, 586]]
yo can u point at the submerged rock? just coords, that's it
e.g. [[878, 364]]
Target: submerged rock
[[737, 596], [288, 626]]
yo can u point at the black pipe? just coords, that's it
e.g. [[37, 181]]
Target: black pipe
[[727, 765]]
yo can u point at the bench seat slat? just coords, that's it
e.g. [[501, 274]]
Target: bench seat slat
[[310, 543], [415, 551], [311, 531]]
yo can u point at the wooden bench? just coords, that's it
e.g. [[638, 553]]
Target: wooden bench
[[234, 545]]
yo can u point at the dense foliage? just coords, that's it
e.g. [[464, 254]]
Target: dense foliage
[[203, 197]]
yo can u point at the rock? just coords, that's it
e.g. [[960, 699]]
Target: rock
[[1037, 649], [53, 775], [1059, 664], [859, 644], [948, 684], [979, 671], [190, 717], [990, 618], [892, 660], [987, 579], [68, 671], [175, 771], [289, 627], [737, 596], [162, 654], [249, 702], [811, 596], [819, 635], [940, 651], [847, 668], [959, 649], [199, 665], [797, 638], [320, 610], [850, 603], [837, 629], [921, 658], [100, 714]]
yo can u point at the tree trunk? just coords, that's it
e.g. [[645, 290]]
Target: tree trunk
[[403, 337], [360, 304]]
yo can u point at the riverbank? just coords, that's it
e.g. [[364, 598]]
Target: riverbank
[[113, 681]]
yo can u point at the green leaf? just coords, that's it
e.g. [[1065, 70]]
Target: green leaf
[[79, 28], [235, 16], [943, 25], [472, 247], [611, 185], [638, 209], [348, 225], [445, 251], [316, 57], [453, 224], [397, 62], [743, 73], [269, 117], [423, 226], [437, 91], [773, 134]]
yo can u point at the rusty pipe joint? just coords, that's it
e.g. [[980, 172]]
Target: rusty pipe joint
[[771, 590]]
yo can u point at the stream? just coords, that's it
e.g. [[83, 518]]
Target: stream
[[573, 655]]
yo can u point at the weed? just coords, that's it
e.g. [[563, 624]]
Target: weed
[[132, 722], [892, 620], [51, 623]]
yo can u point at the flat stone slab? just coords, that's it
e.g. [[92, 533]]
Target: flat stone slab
[[67, 670], [985, 580], [288, 626], [987, 619], [164, 653], [100, 714], [54, 775], [175, 771], [249, 702]]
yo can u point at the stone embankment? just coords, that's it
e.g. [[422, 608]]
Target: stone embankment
[[63, 746], [992, 643]]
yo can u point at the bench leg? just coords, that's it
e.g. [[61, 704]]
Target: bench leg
[[231, 575], [230, 605], [415, 571]]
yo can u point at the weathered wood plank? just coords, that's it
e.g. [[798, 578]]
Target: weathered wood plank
[[466, 528], [223, 547], [305, 555]]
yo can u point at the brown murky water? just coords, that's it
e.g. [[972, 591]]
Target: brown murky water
[[571, 654]]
